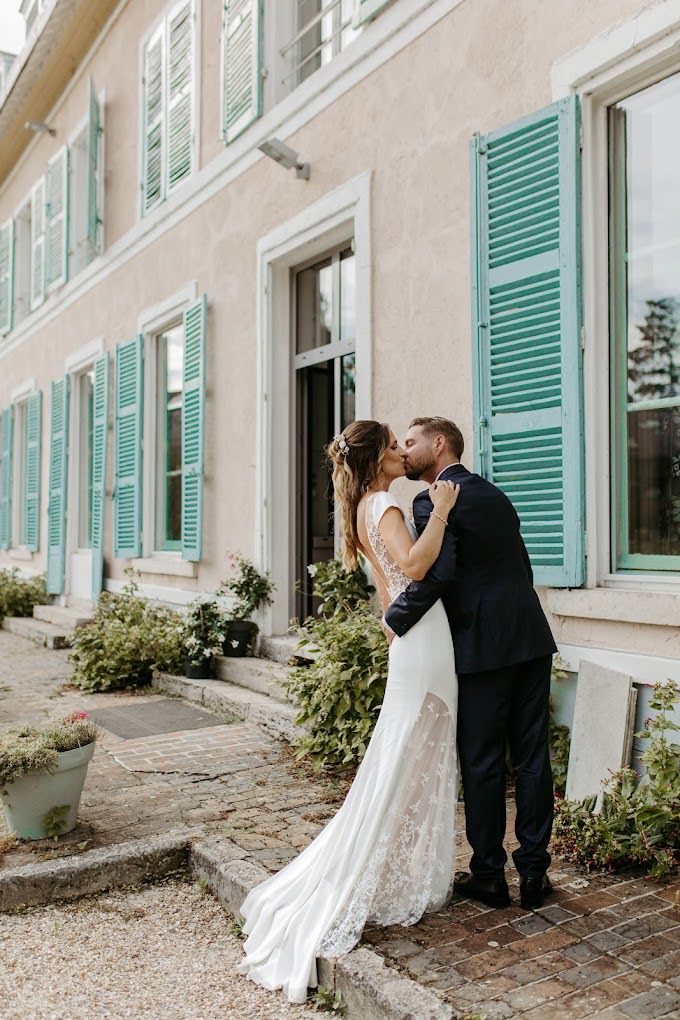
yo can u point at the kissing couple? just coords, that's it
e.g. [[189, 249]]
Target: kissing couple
[[469, 676]]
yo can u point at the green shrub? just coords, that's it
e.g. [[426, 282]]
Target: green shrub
[[630, 822], [340, 692], [19, 594], [128, 639]]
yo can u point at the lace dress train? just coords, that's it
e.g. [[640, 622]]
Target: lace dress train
[[387, 856]]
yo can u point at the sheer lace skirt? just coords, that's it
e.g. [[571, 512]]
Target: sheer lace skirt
[[388, 854]]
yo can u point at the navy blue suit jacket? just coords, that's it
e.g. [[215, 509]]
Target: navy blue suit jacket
[[483, 576]]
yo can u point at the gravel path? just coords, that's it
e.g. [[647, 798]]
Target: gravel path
[[166, 952]]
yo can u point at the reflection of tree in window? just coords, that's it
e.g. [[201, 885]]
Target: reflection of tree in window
[[654, 364]]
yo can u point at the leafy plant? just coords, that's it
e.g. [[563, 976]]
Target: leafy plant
[[31, 749], [204, 629], [631, 821], [250, 587], [128, 639], [341, 691], [19, 594], [54, 821], [328, 1000]]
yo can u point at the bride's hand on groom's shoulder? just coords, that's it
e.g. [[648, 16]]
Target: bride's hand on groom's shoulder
[[443, 495]]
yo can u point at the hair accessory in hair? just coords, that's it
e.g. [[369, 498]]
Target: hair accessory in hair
[[343, 444]]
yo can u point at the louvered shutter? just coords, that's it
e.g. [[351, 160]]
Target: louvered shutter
[[93, 130], [193, 428], [7, 450], [153, 105], [38, 243], [241, 65], [57, 495], [100, 437], [364, 10], [527, 343], [180, 94], [56, 220], [127, 494], [6, 275], [31, 521]]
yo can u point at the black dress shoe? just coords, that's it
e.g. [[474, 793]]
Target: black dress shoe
[[492, 891], [533, 890]]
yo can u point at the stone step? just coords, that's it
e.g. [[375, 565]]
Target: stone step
[[38, 631], [61, 616], [272, 716], [262, 675], [278, 647]]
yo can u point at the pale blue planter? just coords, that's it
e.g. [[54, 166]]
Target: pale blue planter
[[29, 798]]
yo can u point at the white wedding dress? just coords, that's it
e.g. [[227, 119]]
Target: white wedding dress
[[387, 856]]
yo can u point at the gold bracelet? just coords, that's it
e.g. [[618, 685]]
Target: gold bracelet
[[439, 517]]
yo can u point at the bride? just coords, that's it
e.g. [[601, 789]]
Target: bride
[[388, 854]]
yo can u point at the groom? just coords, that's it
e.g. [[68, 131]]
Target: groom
[[503, 649]]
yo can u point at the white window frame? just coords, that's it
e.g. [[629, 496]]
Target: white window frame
[[624, 59], [22, 214], [333, 219], [151, 323], [163, 22], [76, 267]]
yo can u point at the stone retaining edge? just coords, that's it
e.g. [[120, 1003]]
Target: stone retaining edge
[[370, 989], [94, 871]]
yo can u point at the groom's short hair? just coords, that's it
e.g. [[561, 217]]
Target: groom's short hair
[[444, 427]]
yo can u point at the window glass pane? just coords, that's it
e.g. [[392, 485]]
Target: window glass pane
[[315, 307], [171, 363], [86, 459], [349, 375], [646, 156], [347, 297]]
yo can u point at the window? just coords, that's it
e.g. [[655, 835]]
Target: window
[[85, 383], [85, 190], [22, 264], [6, 259], [170, 361], [26, 477], [645, 275], [322, 29], [168, 105]]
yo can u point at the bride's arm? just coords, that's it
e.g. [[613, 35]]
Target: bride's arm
[[416, 558]]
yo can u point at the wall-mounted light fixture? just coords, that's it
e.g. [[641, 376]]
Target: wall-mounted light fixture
[[287, 157], [40, 127]]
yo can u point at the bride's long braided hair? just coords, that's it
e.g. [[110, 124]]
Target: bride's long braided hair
[[355, 455]]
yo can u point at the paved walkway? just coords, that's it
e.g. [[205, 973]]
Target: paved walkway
[[602, 946]]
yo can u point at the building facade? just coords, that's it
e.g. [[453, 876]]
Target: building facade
[[477, 220]]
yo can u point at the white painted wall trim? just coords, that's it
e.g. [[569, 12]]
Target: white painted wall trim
[[343, 213], [23, 390], [157, 316], [662, 609], [84, 356], [169, 564], [381, 40], [176, 597], [644, 669]]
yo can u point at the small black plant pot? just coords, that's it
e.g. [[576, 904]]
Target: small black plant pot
[[198, 669], [240, 639]]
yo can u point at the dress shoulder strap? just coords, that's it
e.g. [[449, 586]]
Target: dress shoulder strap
[[380, 502]]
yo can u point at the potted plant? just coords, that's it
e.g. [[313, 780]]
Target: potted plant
[[204, 633], [250, 589], [42, 773]]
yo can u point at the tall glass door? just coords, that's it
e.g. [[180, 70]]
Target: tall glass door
[[325, 368]]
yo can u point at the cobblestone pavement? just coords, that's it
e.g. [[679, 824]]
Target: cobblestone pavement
[[605, 946]]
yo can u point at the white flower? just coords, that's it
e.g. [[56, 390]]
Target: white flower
[[311, 569]]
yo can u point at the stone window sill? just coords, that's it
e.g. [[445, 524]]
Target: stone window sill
[[623, 605], [173, 566], [20, 554]]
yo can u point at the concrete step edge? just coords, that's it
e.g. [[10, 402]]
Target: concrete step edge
[[38, 631], [61, 616], [261, 675]]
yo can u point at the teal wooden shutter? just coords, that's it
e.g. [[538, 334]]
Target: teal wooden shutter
[[38, 243], [6, 275], [93, 132], [193, 428], [153, 88], [6, 450], [180, 94], [58, 486], [100, 437], [127, 493], [31, 521], [56, 220], [241, 65], [365, 10], [526, 307]]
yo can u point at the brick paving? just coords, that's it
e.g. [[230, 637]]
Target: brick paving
[[604, 946]]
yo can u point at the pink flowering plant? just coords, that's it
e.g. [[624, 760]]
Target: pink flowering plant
[[31, 749]]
